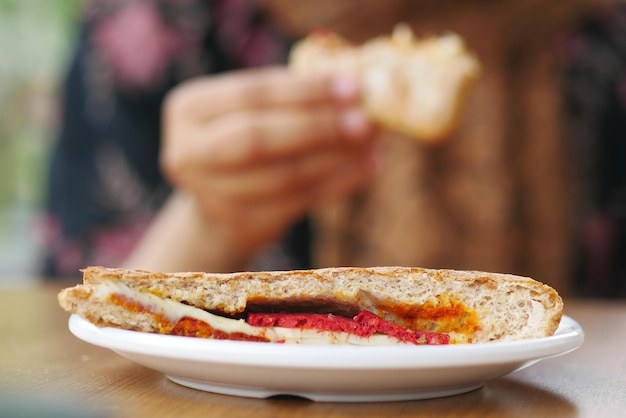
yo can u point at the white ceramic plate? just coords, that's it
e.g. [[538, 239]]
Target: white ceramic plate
[[330, 373]]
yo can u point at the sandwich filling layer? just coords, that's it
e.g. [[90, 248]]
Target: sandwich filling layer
[[165, 316]]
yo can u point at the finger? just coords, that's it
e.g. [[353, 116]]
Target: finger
[[250, 227], [286, 176], [345, 181], [208, 97], [271, 213], [243, 139]]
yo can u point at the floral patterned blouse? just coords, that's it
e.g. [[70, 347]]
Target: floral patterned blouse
[[104, 181]]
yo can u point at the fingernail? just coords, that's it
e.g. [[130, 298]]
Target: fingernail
[[344, 88], [354, 124]]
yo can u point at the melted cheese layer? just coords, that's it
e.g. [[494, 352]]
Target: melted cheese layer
[[173, 312]]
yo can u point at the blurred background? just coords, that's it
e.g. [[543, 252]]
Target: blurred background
[[36, 38]]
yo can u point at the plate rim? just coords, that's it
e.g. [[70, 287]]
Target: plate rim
[[568, 337]]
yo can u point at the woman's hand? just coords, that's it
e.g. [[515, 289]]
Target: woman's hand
[[257, 149]]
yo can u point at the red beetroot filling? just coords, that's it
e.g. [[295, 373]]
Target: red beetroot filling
[[365, 324]]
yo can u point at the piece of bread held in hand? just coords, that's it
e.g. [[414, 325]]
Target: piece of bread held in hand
[[414, 86], [363, 306]]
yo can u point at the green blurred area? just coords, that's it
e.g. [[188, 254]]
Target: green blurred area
[[36, 37]]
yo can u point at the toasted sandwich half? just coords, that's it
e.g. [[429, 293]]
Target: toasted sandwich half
[[416, 86], [360, 306]]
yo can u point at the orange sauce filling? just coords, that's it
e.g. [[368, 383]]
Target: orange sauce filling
[[443, 315], [191, 327], [186, 326], [164, 324]]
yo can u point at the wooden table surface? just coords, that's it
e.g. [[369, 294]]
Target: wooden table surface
[[46, 371]]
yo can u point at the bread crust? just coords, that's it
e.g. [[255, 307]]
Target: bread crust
[[504, 306]]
